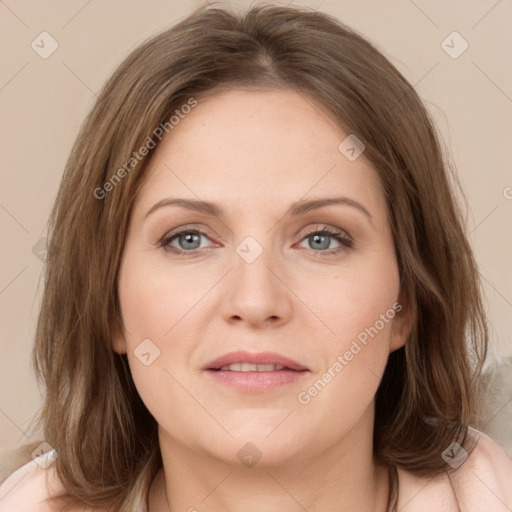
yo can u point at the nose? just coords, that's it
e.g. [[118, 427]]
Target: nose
[[256, 291]]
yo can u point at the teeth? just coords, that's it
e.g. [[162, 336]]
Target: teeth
[[248, 367]]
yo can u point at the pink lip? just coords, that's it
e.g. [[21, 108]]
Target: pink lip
[[255, 381]]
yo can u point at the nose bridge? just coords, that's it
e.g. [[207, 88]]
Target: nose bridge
[[256, 293], [256, 264]]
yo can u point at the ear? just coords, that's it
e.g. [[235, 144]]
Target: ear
[[118, 338], [402, 322]]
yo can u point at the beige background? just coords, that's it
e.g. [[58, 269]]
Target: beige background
[[43, 102]]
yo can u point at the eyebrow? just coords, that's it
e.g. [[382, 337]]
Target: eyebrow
[[299, 208]]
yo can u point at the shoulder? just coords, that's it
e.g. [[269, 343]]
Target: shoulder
[[29, 487], [478, 479], [484, 480]]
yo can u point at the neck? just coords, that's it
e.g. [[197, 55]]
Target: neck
[[344, 478]]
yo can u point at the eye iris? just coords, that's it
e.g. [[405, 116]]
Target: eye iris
[[317, 239], [189, 238]]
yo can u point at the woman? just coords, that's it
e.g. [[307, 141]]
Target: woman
[[319, 343]]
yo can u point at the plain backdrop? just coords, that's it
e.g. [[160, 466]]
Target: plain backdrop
[[43, 101]]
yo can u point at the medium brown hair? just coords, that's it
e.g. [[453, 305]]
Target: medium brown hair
[[92, 414]]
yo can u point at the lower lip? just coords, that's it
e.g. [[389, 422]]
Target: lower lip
[[256, 381]]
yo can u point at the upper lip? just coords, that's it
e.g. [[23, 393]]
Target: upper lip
[[242, 356]]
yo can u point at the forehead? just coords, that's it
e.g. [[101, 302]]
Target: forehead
[[257, 147]]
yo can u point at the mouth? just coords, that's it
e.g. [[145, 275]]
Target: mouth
[[255, 372]]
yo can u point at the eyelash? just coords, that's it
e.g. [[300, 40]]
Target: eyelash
[[338, 235]]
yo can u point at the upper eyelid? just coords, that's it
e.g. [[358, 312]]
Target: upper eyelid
[[188, 228], [202, 228]]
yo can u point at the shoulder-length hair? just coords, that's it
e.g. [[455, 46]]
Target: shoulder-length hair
[[92, 414]]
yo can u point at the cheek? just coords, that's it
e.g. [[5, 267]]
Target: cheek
[[154, 299], [359, 311], [159, 341], [357, 301]]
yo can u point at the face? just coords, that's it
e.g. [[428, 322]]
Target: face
[[269, 273]]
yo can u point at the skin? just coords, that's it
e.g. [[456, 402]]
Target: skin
[[254, 153]]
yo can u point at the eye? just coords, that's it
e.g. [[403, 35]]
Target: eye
[[187, 242], [321, 239]]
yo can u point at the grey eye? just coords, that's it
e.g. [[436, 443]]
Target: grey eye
[[190, 240]]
